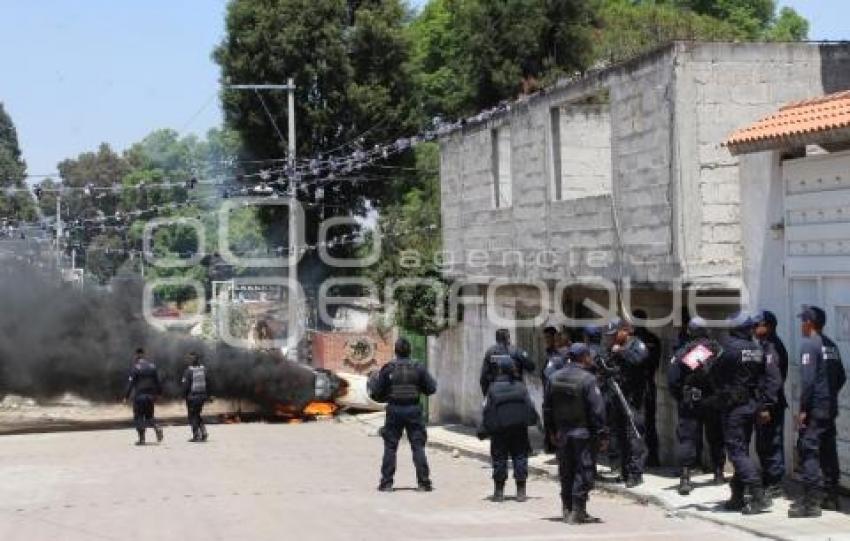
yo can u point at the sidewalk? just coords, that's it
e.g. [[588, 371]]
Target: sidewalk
[[704, 502]]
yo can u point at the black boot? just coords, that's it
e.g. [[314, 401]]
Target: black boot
[[736, 501], [141, 437], [634, 480], [159, 434], [831, 501], [685, 486], [520, 491], [385, 486], [719, 478], [757, 502], [808, 506], [579, 514], [566, 511], [774, 490], [498, 491]]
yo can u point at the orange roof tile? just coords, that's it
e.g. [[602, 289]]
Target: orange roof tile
[[797, 123]]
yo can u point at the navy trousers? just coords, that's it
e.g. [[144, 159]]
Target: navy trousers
[[737, 433], [576, 469], [770, 447], [401, 419], [511, 444], [693, 422]]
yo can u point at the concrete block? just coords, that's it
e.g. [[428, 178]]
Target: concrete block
[[721, 214]]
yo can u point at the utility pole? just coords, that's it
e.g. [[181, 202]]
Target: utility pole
[[59, 233], [294, 249]]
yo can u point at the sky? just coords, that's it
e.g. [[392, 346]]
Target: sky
[[80, 72]]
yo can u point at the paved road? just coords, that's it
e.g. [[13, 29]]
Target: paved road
[[279, 482]]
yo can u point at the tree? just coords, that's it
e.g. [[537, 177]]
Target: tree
[[410, 247], [789, 26], [14, 203], [472, 54], [348, 60], [103, 169]]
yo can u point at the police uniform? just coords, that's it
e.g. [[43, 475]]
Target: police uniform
[[653, 359], [400, 383], [508, 412], [196, 389], [554, 361], [144, 386], [574, 405], [770, 441], [490, 367], [747, 383], [629, 361], [689, 383], [822, 377]]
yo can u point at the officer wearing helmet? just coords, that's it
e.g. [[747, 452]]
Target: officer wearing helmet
[[748, 385], [698, 411], [401, 383], [573, 404], [197, 388], [628, 356]]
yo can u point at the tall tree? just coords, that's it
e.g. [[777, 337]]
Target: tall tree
[[471, 54], [348, 59], [14, 203]]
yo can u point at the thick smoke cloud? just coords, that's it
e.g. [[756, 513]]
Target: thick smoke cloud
[[55, 339]]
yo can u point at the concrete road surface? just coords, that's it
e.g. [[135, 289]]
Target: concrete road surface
[[313, 481]]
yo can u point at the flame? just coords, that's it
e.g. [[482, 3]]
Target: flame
[[320, 409]]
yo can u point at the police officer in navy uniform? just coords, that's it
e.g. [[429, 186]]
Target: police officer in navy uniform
[[689, 383], [747, 385], [197, 388], [628, 356], [574, 405], [770, 441], [503, 347], [144, 386], [508, 412], [653, 360], [822, 377], [554, 359], [400, 383]]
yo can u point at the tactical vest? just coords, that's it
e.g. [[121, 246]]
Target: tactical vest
[[404, 383], [507, 406], [145, 378], [568, 407], [199, 380], [753, 361]]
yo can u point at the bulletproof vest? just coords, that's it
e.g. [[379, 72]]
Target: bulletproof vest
[[199, 379], [567, 395], [753, 360], [146, 378], [507, 406], [404, 383]]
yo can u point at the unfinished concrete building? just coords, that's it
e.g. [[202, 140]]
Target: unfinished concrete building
[[619, 175]]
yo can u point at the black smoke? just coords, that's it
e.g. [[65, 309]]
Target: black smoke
[[55, 339]]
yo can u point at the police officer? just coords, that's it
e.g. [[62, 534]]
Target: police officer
[[197, 388], [689, 383], [400, 383], [503, 347], [574, 405], [554, 360], [145, 387], [508, 412], [628, 356], [770, 441], [653, 360], [822, 377], [747, 385]]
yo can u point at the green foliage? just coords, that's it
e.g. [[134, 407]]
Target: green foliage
[[18, 205], [472, 54], [789, 26], [348, 60], [411, 244]]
